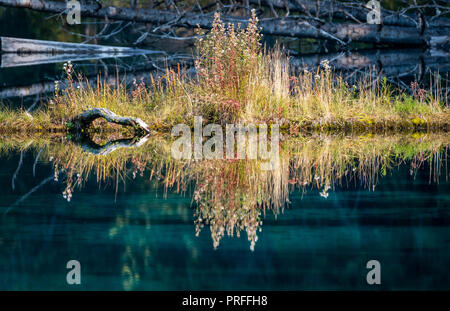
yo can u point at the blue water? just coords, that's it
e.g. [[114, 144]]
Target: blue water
[[139, 240]]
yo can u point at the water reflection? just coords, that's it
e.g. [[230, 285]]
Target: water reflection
[[143, 240], [232, 196]]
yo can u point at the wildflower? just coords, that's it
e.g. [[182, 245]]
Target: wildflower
[[325, 64], [68, 69], [421, 93]]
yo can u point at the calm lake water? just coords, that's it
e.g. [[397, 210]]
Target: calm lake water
[[136, 239]]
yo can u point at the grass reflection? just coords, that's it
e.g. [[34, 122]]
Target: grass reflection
[[231, 196]]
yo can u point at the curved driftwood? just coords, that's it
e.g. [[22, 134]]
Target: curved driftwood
[[87, 117]]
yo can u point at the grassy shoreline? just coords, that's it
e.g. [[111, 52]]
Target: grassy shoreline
[[231, 196], [237, 81]]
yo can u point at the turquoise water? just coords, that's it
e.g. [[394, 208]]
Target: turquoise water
[[136, 239]]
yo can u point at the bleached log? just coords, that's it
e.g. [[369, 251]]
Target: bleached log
[[83, 120], [27, 46], [26, 52]]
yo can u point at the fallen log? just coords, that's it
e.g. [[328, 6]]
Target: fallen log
[[91, 147], [26, 46], [352, 11], [83, 120], [387, 60], [291, 27], [25, 52], [389, 63]]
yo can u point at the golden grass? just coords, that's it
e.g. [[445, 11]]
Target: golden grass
[[237, 81]]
